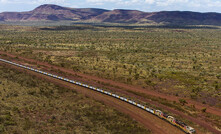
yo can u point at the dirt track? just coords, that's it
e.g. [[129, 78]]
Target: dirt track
[[124, 87], [152, 122]]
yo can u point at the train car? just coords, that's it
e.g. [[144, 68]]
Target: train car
[[180, 124], [190, 130], [164, 116], [113, 95], [106, 92], [159, 113], [139, 105], [143, 107], [184, 127], [152, 111], [171, 119], [134, 103], [117, 96], [125, 99]]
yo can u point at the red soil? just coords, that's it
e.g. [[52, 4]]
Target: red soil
[[152, 122], [124, 88]]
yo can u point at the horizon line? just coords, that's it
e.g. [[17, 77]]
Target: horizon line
[[115, 9]]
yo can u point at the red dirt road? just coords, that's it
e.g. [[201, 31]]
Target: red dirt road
[[152, 122], [124, 88]]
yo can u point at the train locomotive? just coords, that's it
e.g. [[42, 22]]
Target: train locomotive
[[187, 129]]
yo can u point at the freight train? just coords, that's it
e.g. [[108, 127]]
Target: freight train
[[187, 129]]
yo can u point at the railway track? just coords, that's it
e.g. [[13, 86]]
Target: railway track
[[158, 113]]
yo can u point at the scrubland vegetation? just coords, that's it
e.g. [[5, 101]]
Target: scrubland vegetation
[[31, 105], [182, 62]]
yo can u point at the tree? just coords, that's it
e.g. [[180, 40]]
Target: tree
[[136, 76], [203, 109], [182, 102]]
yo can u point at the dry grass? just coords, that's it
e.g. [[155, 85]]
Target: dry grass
[[30, 105], [183, 62]]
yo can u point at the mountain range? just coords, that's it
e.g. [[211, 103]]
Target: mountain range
[[49, 12]]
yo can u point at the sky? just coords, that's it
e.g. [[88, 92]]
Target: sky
[[143, 5]]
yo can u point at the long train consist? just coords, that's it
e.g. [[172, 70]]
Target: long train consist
[[187, 129]]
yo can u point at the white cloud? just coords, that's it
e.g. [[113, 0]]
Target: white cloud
[[32, 2], [136, 2], [149, 1], [170, 2], [205, 3], [150, 5], [47, 1], [159, 5], [3, 1], [163, 3], [102, 1], [116, 2]]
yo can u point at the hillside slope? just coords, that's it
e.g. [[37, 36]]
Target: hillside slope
[[57, 13], [52, 12]]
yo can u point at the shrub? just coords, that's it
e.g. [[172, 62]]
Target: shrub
[[182, 102], [203, 109]]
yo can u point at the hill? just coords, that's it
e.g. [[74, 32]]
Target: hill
[[50, 12]]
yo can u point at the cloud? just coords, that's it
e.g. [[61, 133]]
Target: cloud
[[161, 3], [116, 2], [186, 3], [48, 1], [166, 2], [32, 2], [138, 2], [102, 2], [205, 3], [150, 5], [149, 1], [3, 1]]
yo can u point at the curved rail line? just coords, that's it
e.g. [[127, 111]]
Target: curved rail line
[[158, 113]]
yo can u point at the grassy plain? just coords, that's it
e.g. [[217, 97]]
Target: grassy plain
[[183, 62], [31, 105]]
